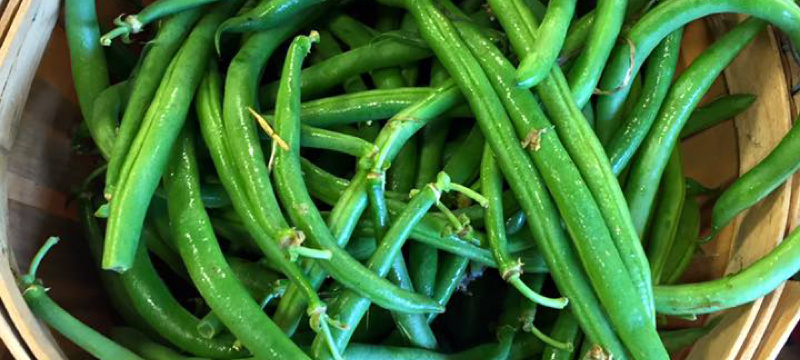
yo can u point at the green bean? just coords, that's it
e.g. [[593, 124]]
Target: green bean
[[657, 81], [510, 270], [329, 73], [363, 107], [537, 8], [462, 164], [164, 252], [207, 266], [150, 150], [449, 275], [411, 71], [399, 178], [134, 24], [425, 258], [88, 63], [627, 108], [211, 325], [145, 347], [669, 16], [589, 156], [35, 295], [760, 181], [681, 100], [103, 122], [115, 290], [551, 35], [565, 329], [351, 306], [665, 224], [83, 31], [751, 283], [413, 327], [676, 340], [544, 221], [328, 47], [717, 111], [316, 138], [686, 242], [695, 188], [576, 37], [351, 203], [154, 64], [585, 73], [266, 14]]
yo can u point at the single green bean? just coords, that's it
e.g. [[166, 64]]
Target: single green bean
[[413, 327], [35, 295], [266, 14], [585, 73], [658, 79], [88, 63], [686, 242], [760, 181], [551, 35], [676, 340], [207, 266], [104, 120], [134, 24], [566, 330], [751, 283], [668, 214], [717, 111]]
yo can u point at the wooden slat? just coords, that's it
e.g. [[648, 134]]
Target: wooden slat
[[758, 70], [10, 338], [787, 315], [759, 327], [36, 336], [20, 53]]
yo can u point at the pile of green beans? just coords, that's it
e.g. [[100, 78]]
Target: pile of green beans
[[423, 183]]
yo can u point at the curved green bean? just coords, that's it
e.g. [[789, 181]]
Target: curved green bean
[[751, 283], [715, 112], [551, 35], [658, 79], [760, 181], [134, 24]]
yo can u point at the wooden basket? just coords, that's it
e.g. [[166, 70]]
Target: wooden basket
[[37, 167]]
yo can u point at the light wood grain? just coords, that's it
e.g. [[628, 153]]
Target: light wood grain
[[787, 315], [23, 46], [759, 327]]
